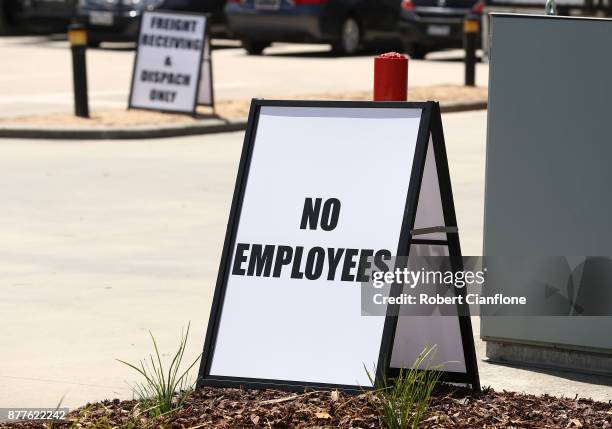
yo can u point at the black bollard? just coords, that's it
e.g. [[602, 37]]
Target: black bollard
[[471, 27], [78, 44]]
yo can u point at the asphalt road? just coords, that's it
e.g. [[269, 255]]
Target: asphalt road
[[35, 76], [102, 241]]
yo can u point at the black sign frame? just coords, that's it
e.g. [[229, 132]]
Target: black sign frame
[[471, 375]]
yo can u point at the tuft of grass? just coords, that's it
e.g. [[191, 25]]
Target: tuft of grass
[[163, 390], [52, 424], [403, 401]]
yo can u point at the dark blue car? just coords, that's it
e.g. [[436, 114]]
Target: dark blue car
[[118, 20], [428, 25], [44, 16], [345, 24]]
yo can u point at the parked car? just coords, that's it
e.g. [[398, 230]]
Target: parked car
[[428, 25], [41, 16], [345, 24], [118, 20]]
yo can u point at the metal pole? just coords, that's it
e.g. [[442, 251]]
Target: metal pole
[[471, 27], [78, 45]]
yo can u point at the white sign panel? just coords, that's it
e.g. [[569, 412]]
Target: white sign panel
[[168, 62]]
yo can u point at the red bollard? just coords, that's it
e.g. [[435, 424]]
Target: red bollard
[[391, 77]]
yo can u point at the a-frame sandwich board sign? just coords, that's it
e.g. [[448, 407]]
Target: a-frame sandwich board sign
[[172, 69], [323, 187]]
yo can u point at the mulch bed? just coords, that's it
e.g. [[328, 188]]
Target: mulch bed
[[451, 408]]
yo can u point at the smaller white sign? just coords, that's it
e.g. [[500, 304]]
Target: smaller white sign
[[168, 64]]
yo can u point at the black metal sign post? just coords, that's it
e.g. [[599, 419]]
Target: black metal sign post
[[78, 45], [471, 27]]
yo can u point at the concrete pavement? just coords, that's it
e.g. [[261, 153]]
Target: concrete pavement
[[102, 241], [36, 76]]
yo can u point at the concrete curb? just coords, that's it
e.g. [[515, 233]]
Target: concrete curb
[[107, 133], [150, 132]]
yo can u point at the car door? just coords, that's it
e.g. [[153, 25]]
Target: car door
[[199, 6], [380, 17], [54, 9]]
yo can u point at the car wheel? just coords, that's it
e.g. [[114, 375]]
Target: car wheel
[[415, 51], [8, 12], [349, 39], [254, 47]]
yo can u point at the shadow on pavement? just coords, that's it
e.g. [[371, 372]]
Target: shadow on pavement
[[130, 46], [326, 53], [600, 380], [452, 60], [30, 38]]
